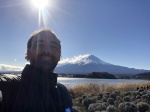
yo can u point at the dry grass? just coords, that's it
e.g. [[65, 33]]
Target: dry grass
[[95, 88], [82, 89]]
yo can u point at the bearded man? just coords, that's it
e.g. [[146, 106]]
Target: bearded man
[[37, 89]]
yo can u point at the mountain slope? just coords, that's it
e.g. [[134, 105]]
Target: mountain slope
[[90, 63]]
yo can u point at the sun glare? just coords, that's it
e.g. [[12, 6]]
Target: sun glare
[[41, 4], [44, 8]]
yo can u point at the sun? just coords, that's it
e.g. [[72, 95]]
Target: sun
[[41, 4], [44, 11]]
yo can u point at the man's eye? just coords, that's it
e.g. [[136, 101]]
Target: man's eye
[[53, 47], [39, 47]]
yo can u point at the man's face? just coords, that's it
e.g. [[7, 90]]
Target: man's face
[[45, 52]]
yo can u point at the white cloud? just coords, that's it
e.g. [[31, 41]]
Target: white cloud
[[4, 67], [75, 59]]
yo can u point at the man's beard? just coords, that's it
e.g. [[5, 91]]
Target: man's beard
[[44, 65]]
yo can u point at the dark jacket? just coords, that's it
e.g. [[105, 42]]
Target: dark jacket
[[34, 92]]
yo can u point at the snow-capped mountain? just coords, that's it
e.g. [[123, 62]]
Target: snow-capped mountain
[[90, 63], [82, 60]]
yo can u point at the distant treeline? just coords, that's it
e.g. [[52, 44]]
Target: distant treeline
[[145, 75], [105, 75], [99, 75]]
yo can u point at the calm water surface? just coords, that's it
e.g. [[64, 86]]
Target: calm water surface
[[70, 82]]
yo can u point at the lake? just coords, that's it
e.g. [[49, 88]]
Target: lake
[[70, 82]]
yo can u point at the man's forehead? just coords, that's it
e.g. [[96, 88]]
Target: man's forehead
[[45, 39]]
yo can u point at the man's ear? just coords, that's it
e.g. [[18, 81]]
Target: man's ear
[[28, 54], [59, 55]]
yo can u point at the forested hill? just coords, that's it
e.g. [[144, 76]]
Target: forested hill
[[101, 75]]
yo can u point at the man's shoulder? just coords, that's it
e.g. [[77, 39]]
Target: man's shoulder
[[65, 95], [62, 88], [59, 85], [9, 80]]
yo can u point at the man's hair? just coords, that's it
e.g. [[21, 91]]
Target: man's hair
[[36, 34]]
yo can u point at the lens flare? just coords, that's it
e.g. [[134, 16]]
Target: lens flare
[[45, 8], [42, 6]]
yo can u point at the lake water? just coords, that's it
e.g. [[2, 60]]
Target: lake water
[[70, 82]]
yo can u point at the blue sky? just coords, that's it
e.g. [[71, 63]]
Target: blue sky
[[116, 31]]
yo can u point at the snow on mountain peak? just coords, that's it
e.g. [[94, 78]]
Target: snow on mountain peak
[[82, 59]]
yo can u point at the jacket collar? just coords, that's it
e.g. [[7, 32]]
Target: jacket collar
[[29, 73]]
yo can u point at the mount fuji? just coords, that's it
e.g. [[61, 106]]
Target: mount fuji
[[89, 63]]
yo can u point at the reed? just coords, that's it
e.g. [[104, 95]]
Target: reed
[[95, 88]]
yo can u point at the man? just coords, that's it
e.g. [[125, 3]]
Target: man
[[37, 90]]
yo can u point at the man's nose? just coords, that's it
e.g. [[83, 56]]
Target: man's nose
[[47, 49]]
